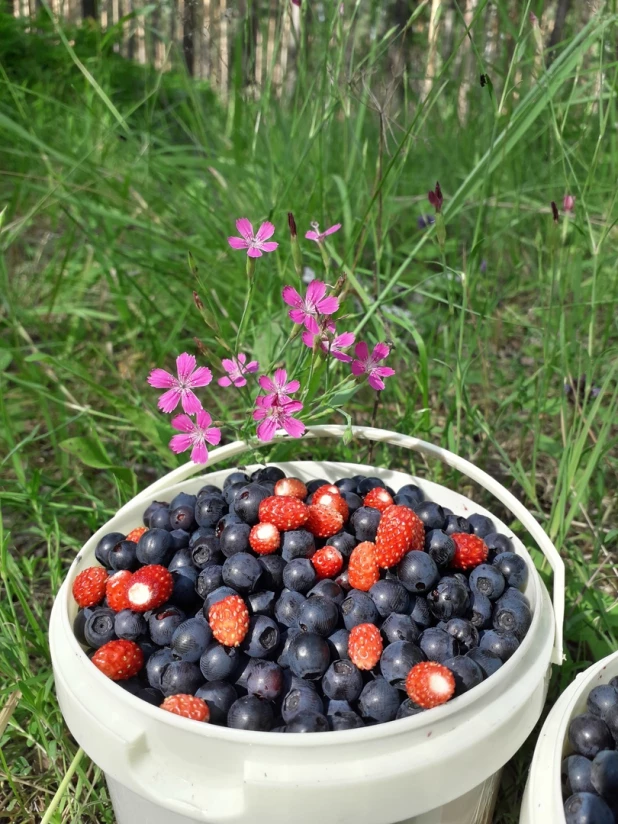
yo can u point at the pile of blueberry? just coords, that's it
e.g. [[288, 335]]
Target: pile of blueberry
[[275, 605], [590, 773]]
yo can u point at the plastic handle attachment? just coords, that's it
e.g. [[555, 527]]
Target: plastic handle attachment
[[416, 445]]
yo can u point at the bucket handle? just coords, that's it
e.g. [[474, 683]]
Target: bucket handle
[[416, 445]]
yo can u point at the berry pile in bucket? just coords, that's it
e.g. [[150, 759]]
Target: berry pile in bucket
[[590, 773], [272, 604]]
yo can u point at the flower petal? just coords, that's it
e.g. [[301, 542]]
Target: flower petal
[[199, 453], [332, 229], [203, 419], [291, 297], [245, 228], [293, 427], [308, 339], [259, 414], [375, 382], [361, 351], [183, 423], [383, 371], [265, 231], [239, 381], [190, 402], [327, 306], [341, 356], [228, 365], [180, 443], [358, 368], [311, 325], [241, 358], [311, 235], [380, 351], [266, 430], [292, 386], [252, 366], [290, 407], [185, 364], [297, 315], [161, 379], [315, 292], [170, 400], [269, 246], [224, 381], [238, 243], [280, 378], [253, 252], [266, 384], [344, 339], [213, 435], [201, 377]]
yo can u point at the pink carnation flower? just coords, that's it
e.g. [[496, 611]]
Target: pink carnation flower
[[254, 244], [180, 389], [306, 310], [196, 435], [236, 369], [277, 414], [315, 234], [278, 388], [367, 364], [334, 346]]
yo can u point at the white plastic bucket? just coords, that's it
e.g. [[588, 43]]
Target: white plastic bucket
[[439, 767], [543, 796]]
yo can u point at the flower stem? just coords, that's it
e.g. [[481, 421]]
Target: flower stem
[[49, 812], [248, 299]]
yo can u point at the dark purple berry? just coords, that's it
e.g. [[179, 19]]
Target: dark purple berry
[[487, 660], [481, 610], [210, 508], [262, 603], [242, 572], [300, 699], [265, 680], [338, 643], [124, 555], [457, 523], [602, 701], [130, 625], [397, 660], [262, 638], [466, 671], [270, 474], [300, 575], [206, 551], [318, 614], [297, 543], [504, 644], [389, 596], [344, 542], [190, 640], [328, 589], [408, 708], [149, 511], [588, 735], [364, 523], [358, 608], [234, 539], [342, 681], [288, 607], [219, 663], [250, 713], [431, 514], [419, 612], [247, 503], [398, 627], [308, 722], [309, 655], [181, 677], [514, 569], [418, 572], [160, 519], [586, 808], [182, 518], [481, 525], [575, 775], [438, 645], [353, 501], [157, 663], [512, 616], [449, 599], [412, 491], [488, 580], [105, 545], [155, 547], [498, 543], [379, 701], [99, 627], [162, 624], [464, 631], [272, 576], [209, 579], [347, 485], [219, 695]]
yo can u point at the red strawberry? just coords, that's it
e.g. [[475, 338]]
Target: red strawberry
[[330, 497], [149, 587], [116, 590], [229, 620], [264, 539], [430, 684], [378, 498], [399, 531], [363, 570], [470, 551], [89, 586], [119, 659], [327, 562], [365, 646], [136, 533], [323, 522], [291, 488], [283, 512], [188, 706]]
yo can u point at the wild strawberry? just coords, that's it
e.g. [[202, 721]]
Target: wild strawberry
[[189, 706], [116, 590], [229, 620], [363, 570], [323, 522], [327, 562], [430, 684], [284, 513], [149, 588], [365, 646], [119, 659], [378, 498], [330, 497], [264, 539], [470, 551], [136, 533], [89, 586], [291, 488], [399, 531]]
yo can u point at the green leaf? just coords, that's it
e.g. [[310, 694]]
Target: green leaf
[[90, 452]]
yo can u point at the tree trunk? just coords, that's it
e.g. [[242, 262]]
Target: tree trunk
[[188, 31], [89, 9]]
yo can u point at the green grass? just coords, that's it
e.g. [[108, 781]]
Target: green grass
[[112, 174]]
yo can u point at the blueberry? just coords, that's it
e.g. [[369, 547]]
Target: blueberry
[[180, 539], [379, 701], [182, 499], [481, 525], [343, 582], [181, 677], [219, 695], [181, 558], [603, 701], [270, 474], [466, 671], [79, 623], [511, 594], [329, 589], [408, 708], [389, 596], [209, 579], [364, 523], [345, 720], [272, 576], [438, 645], [163, 622], [206, 550], [132, 685], [338, 643], [235, 478], [130, 625], [300, 575], [155, 547], [247, 503], [588, 735], [397, 660], [232, 492], [498, 543], [398, 627], [420, 614], [316, 483], [99, 627], [160, 518], [308, 722], [300, 699], [105, 545], [190, 640], [151, 696], [503, 644], [288, 607], [488, 580], [347, 485], [456, 523], [418, 572], [401, 499], [464, 631], [210, 508], [487, 660], [182, 518], [431, 514], [449, 599], [604, 774], [308, 655], [412, 491], [199, 533], [265, 680], [298, 543], [358, 608], [151, 509], [440, 547], [124, 556], [344, 542], [234, 539], [575, 775], [481, 610], [262, 638], [586, 808], [242, 572], [262, 603], [514, 569], [184, 594], [512, 616], [218, 663], [207, 489], [250, 713], [353, 501], [318, 614], [147, 647], [156, 666], [342, 681]]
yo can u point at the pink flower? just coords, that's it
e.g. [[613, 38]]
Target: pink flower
[[254, 244], [279, 388], [368, 364], [315, 303], [236, 369], [435, 198], [181, 388], [197, 434], [277, 414], [315, 234], [568, 203], [334, 346]]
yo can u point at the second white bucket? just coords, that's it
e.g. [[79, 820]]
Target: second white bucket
[[439, 767]]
